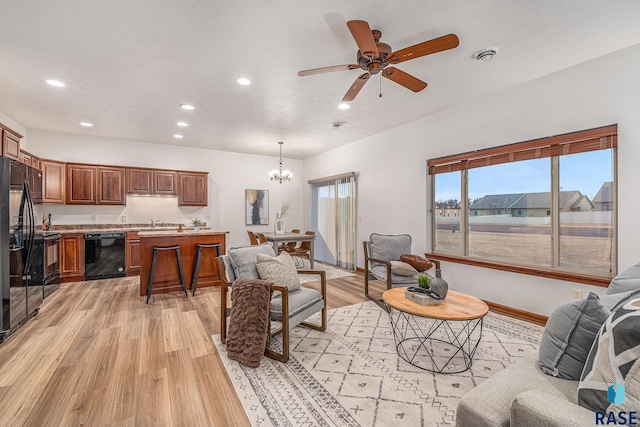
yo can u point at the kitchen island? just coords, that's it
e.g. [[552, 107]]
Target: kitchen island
[[166, 264]]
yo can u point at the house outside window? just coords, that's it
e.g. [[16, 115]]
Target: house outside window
[[546, 204]]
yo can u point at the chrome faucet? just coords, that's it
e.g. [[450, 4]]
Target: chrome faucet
[[154, 223]]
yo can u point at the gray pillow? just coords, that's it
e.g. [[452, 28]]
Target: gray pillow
[[280, 270], [568, 336], [628, 280], [613, 301], [389, 248], [402, 268], [243, 260]]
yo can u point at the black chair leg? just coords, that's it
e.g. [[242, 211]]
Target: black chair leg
[[153, 270], [182, 281]]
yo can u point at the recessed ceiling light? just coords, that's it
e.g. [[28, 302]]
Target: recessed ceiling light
[[183, 124], [487, 54], [187, 107], [243, 81], [178, 136], [86, 124], [55, 83], [344, 106]]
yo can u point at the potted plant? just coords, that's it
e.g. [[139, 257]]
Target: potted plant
[[197, 223], [423, 280]]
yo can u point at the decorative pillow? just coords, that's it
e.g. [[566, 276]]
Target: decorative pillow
[[403, 268], [568, 336], [628, 280], [243, 260], [417, 262], [280, 270], [389, 248], [613, 355]]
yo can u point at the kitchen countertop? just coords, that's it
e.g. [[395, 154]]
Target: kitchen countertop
[[176, 233], [62, 229]]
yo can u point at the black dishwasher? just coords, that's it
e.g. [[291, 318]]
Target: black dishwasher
[[103, 255]]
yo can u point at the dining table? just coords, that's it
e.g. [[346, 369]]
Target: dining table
[[276, 239]]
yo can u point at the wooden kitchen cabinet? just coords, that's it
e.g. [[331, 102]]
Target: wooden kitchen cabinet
[[72, 257], [132, 254], [165, 183], [10, 143], [110, 186], [139, 181], [150, 181], [53, 179], [192, 189], [81, 184]]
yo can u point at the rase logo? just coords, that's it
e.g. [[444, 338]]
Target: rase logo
[[615, 395]]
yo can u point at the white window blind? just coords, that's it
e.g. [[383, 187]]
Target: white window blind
[[333, 218]]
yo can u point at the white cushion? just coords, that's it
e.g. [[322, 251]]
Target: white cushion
[[280, 270], [402, 268]]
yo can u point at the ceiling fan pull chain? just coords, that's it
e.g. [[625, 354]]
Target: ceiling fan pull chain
[[380, 85]]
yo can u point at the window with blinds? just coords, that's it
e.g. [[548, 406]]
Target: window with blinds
[[333, 218], [548, 204]]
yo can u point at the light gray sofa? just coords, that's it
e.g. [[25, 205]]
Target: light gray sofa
[[523, 395]]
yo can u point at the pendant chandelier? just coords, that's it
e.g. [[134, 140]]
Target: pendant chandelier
[[280, 175]]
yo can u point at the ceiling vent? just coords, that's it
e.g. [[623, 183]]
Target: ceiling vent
[[484, 55]]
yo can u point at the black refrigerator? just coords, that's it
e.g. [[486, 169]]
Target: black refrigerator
[[20, 222]]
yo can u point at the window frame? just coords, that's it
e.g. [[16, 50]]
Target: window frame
[[464, 161]]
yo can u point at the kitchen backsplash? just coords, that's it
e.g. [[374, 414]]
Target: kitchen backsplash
[[139, 210]]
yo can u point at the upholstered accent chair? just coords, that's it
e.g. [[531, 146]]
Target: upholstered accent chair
[[379, 252], [291, 307]]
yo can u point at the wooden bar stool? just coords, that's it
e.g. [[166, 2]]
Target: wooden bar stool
[[156, 250], [196, 268]]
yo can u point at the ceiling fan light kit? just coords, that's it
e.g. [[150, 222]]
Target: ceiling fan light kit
[[374, 57], [280, 175]]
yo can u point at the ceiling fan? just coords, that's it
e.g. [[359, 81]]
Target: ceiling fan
[[375, 56]]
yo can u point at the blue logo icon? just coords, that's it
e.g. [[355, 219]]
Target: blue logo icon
[[615, 393]]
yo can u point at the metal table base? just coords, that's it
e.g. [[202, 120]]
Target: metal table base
[[441, 346]]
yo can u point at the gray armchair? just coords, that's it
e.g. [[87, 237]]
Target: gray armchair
[[291, 308], [379, 251]]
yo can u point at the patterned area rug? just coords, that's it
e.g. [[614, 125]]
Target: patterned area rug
[[350, 375], [332, 272]]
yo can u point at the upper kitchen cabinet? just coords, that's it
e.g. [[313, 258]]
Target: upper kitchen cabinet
[[149, 181], [52, 181], [81, 184], [10, 143], [192, 189], [91, 185], [111, 186], [165, 182]]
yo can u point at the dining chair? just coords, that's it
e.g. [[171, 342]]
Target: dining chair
[[304, 249], [289, 246], [252, 237], [262, 238]]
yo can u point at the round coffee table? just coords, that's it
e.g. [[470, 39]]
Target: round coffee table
[[439, 338]]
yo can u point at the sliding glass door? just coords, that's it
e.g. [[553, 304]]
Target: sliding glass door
[[333, 218]]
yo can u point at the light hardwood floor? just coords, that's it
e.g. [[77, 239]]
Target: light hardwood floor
[[97, 355]]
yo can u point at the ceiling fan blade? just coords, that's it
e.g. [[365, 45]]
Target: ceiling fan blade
[[328, 69], [355, 87], [404, 79], [362, 34], [425, 48]]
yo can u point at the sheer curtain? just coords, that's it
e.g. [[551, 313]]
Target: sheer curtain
[[333, 218]]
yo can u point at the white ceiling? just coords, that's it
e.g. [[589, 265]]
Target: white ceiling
[[128, 64]]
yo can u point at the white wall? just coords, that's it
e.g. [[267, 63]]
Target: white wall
[[392, 186], [229, 175]]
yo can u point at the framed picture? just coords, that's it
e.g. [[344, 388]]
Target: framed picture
[[257, 207]]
